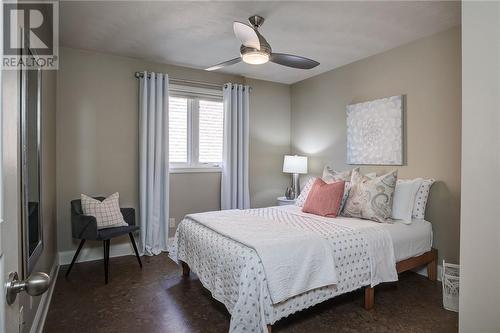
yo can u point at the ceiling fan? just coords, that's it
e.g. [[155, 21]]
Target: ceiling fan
[[256, 50]]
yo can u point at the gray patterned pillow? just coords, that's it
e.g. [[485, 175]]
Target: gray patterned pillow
[[330, 175], [371, 198]]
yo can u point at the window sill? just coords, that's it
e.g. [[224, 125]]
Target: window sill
[[195, 170]]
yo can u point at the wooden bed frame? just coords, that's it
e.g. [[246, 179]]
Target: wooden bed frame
[[428, 258]]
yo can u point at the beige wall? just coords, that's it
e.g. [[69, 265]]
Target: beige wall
[[427, 71], [97, 134], [193, 193], [269, 141], [480, 228]]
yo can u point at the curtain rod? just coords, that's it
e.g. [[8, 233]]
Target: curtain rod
[[188, 82]]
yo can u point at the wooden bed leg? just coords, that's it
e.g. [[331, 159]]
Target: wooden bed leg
[[369, 298], [185, 269], [269, 328], [432, 267]]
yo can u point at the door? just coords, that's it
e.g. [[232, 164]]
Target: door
[[10, 255], [10, 245], [16, 99]]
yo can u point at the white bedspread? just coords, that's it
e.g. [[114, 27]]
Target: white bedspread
[[234, 274], [278, 245]]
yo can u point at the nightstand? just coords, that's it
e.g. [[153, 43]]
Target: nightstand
[[283, 201]]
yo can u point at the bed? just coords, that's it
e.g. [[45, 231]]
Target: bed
[[365, 254]]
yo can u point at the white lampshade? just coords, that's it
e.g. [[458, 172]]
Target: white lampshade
[[295, 164]]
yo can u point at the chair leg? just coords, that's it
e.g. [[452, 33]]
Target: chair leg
[[135, 248], [106, 260], [75, 256]]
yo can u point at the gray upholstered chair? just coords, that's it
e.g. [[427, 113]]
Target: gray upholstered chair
[[84, 227]]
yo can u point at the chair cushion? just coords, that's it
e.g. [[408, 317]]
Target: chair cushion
[[108, 233]]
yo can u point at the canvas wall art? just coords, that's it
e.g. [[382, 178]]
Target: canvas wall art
[[375, 132]]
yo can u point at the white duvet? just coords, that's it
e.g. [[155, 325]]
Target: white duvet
[[234, 272], [278, 246]]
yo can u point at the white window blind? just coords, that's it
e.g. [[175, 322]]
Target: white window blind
[[177, 130], [210, 131], [196, 128]]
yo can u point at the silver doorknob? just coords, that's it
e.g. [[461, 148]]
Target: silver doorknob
[[36, 284]]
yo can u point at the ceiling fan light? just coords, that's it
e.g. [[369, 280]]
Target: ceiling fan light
[[255, 57]]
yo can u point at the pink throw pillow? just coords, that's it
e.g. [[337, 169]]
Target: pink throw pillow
[[324, 199]]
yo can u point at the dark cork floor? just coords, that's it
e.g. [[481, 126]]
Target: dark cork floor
[[157, 299]]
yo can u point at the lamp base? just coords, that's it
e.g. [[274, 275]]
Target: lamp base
[[296, 185]]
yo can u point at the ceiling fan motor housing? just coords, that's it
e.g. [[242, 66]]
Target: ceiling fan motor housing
[[264, 46], [256, 20]]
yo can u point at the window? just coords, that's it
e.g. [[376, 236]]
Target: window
[[196, 129]]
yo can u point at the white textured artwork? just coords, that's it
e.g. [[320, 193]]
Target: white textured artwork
[[375, 132]]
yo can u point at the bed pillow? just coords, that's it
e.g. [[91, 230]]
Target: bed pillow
[[107, 212], [371, 198], [324, 198], [404, 199], [421, 198], [301, 199], [330, 175]]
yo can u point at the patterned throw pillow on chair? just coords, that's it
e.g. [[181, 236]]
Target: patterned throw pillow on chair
[[107, 212], [371, 198]]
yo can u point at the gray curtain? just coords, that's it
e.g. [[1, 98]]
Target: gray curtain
[[234, 182], [153, 167]]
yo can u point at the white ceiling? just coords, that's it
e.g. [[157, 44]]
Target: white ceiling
[[200, 34]]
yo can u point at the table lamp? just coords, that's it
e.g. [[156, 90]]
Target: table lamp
[[295, 165]]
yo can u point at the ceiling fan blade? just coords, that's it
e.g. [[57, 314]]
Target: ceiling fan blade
[[246, 35], [224, 64], [293, 61]]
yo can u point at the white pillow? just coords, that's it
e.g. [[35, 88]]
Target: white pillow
[[107, 212], [421, 199], [301, 199], [404, 199]]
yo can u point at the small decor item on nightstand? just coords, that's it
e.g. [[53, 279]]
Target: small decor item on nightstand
[[451, 284], [295, 165], [283, 201], [290, 193]]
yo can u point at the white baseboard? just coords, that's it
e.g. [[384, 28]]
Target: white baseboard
[[423, 271], [96, 253], [43, 306]]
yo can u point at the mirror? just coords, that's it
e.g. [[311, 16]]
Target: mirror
[[31, 81]]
